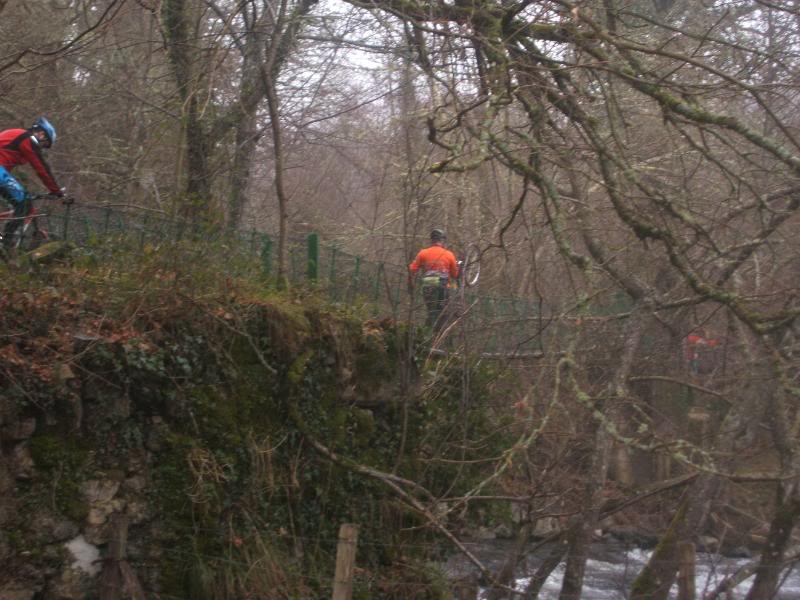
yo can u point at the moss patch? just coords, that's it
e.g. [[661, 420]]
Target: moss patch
[[61, 464]]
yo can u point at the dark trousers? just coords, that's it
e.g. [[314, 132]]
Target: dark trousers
[[435, 301]]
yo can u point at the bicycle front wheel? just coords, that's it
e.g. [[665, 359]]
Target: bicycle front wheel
[[472, 265], [32, 234]]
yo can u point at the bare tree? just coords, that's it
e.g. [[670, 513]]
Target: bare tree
[[663, 134]]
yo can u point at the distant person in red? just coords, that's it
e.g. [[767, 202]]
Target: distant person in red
[[699, 352], [438, 267], [19, 147]]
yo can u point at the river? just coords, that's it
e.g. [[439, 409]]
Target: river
[[612, 568]]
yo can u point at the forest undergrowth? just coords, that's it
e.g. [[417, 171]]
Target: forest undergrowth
[[234, 425]]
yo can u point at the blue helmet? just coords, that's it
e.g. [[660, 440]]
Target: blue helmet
[[49, 130]]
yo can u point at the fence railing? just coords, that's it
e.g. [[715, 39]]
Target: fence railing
[[492, 324]]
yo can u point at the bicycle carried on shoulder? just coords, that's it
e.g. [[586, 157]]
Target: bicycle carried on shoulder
[[470, 266]]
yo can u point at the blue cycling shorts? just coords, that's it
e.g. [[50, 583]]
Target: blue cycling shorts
[[10, 188]]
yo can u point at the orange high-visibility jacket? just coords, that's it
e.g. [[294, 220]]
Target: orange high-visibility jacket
[[435, 260]]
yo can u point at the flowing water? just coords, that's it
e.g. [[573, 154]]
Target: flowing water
[[613, 567]]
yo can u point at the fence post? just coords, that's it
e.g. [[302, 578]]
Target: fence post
[[143, 233], [312, 266], [345, 562], [686, 571], [355, 281], [253, 237], [376, 292], [88, 228], [395, 300], [118, 579], [486, 319], [334, 290], [292, 260], [66, 222], [266, 254]]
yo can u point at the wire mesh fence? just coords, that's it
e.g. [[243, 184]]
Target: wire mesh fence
[[492, 324]]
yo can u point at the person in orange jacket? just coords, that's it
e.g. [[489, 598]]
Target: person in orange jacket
[[438, 267]]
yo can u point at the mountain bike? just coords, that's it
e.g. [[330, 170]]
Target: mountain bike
[[469, 272], [470, 266], [34, 230]]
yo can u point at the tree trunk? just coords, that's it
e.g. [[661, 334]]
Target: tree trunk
[[246, 139], [543, 572], [785, 434], [198, 183], [780, 532], [506, 572], [657, 576], [175, 15], [284, 36], [280, 190], [581, 535], [246, 127]]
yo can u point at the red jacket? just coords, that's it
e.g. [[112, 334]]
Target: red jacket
[[435, 259], [19, 146]]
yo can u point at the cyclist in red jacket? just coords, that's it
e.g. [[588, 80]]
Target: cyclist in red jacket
[[18, 147]]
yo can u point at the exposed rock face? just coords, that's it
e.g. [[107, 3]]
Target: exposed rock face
[[17, 591], [21, 461], [19, 430], [86, 556], [121, 426], [70, 584], [58, 495], [175, 457], [100, 498]]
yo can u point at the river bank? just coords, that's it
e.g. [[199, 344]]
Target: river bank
[[611, 569]]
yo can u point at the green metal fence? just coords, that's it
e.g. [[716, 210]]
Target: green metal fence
[[490, 324]]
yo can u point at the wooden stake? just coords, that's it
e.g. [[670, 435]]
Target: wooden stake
[[686, 572], [118, 578], [345, 562]]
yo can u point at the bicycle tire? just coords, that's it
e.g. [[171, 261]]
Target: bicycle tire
[[24, 238], [18, 238], [471, 270], [35, 239], [30, 236]]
